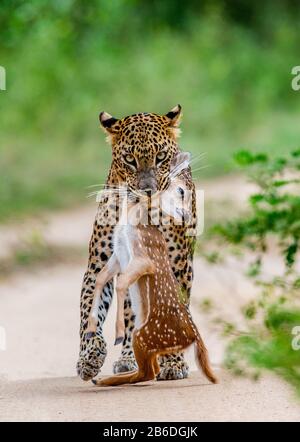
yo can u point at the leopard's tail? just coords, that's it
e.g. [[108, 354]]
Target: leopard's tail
[[202, 359]]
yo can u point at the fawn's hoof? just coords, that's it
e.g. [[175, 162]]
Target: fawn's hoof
[[119, 340], [124, 364], [173, 371]]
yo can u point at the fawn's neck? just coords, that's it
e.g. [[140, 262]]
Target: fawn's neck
[[161, 286]]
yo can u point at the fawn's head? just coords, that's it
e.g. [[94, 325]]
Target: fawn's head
[[176, 199]]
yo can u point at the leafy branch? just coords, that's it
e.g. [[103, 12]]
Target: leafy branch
[[273, 220]]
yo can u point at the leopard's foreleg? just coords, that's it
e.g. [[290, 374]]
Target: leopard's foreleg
[[92, 348]]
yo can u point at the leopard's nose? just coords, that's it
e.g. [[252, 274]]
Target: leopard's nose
[[148, 191], [147, 181]]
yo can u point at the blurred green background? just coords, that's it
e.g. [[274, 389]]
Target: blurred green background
[[228, 63]]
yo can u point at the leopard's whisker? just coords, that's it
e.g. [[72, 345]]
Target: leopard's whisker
[[201, 168], [197, 157], [111, 190], [95, 185]]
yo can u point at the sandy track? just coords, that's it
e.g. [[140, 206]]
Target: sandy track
[[69, 399]]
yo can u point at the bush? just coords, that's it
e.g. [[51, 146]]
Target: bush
[[272, 335]]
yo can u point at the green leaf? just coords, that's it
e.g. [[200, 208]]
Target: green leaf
[[260, 158], [256, 198], [254, 268], [243, 158], [250, 310], [296, 153], [291, 252]]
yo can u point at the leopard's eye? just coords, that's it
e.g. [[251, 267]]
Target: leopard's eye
[[129, 158], [161, 156], [130, 161]]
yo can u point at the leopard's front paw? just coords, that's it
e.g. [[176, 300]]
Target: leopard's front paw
[[171, 370], [124, 364], [91, 357], [85, 370]]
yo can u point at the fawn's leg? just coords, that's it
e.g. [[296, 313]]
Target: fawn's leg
[[145, 372], [120, 320], [137, 267], [107, 273], [156, 367]]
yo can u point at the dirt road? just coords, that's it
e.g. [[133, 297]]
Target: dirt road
[[69, 399], [39, 311]]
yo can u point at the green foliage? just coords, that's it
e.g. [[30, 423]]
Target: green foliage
[[268, 347], [273, 219], [206, 305], [67, 60], [275, 209], [33, 251]]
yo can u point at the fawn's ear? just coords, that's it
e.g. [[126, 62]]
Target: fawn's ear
[[180, 162], [174, 116], [108, 123]]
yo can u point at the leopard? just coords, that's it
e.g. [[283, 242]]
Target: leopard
[[143, 147]]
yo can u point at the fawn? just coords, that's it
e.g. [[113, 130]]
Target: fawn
[[140, 259]]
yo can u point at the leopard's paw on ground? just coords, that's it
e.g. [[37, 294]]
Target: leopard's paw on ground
[[124, 364], [173, 371]]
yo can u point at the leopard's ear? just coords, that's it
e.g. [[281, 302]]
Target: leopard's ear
[[174, 116], [108, 123]]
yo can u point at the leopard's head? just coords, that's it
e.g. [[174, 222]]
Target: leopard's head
[[143, 146]]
